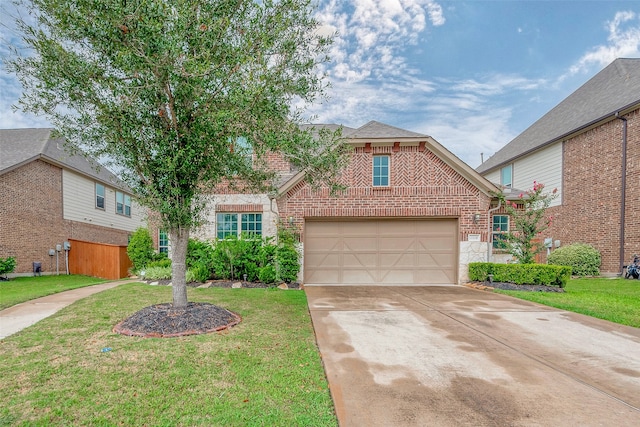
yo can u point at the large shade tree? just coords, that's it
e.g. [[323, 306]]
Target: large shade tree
[[181, 95]]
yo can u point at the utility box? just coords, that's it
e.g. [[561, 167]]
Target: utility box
[[37, 268]]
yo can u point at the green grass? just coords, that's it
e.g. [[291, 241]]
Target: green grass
[[21, 289], [266, 371], [616, 300]]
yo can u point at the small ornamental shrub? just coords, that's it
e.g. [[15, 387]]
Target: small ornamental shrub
[[521, 274], [288, 265], [7, 265], [267, 274], [199, 253], [198, 273], [140, 248], [583, 259], [165, 262], [157, 273]]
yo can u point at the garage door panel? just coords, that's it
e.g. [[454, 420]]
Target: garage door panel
[[362, 260], [381, 251]]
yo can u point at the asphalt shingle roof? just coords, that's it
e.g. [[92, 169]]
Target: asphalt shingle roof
[[614, 88], [20, 146]]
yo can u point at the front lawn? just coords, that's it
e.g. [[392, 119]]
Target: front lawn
[[616, 300], [21, 289], [71, 369]]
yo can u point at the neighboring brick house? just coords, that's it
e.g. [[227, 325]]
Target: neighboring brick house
[[412, 213], [588, 147], [48, 197]]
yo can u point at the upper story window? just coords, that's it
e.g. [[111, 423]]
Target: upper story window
[[380, 171], [227, 224], [499, 227], [100, 192], [163, 242], [123, 204], [506, 176]]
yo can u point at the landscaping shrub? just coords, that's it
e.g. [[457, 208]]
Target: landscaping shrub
[[521, 274], [140, 248], [267, 274], [165, 262], [7, 265], [198, 273], [583, 259], [199, 253], [157, 273], [288, 265], [233, 258]]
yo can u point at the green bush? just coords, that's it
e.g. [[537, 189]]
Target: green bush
[[199, 253], [267, 274], [288, 265], [7, 265], [165, 262], [233, 258], [521, 274], [157, 273], [583, 259], [140, 248], [198, 273]]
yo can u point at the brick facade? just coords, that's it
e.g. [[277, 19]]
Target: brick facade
[[31, 217], [591, 205], [421, 186]]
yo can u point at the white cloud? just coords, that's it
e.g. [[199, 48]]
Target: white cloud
[[623, 41]]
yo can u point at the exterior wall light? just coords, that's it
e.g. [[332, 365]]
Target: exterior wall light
[[476, 218]]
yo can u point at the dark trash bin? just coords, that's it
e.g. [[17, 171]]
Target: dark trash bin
[[37, 268]]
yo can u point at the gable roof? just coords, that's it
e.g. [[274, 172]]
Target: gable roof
[[380, 132], [614, 89], [21, 146]]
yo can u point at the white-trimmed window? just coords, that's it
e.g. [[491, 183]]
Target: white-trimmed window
[[380, 171], [499, 227], [123, 203], [506, 176], [163, 242], [100, 199], [238, 224]]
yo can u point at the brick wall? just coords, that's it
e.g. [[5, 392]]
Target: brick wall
[[590, 210], [31, 217], [421, 185]]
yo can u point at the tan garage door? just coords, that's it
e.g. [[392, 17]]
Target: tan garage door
[[381, 252]]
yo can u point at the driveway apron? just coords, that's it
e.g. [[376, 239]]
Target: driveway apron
[[455, 356]]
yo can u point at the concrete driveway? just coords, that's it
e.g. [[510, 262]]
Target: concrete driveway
[[454, 356]]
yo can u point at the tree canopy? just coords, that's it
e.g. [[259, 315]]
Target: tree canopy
[[179, 93]]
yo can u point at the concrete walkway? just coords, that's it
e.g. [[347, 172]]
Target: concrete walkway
[[20, 316], [454, 356]]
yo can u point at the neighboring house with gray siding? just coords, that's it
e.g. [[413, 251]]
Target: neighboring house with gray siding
[[588, 147], [49, 196]]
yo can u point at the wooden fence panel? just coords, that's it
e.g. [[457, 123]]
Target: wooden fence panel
[[98, 260]]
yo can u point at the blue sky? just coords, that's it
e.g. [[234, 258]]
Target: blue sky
[[472, 74]]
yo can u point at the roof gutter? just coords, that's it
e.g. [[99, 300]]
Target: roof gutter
[[623, 188]]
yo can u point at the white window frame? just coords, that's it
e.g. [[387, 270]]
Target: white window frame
[[239, 225], [163, 242], [500, 231], [507, 170], [123, 204], [101, 196], [381, 172]]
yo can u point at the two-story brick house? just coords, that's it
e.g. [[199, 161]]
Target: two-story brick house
[[49, 196], [588, 147], [412, 213]]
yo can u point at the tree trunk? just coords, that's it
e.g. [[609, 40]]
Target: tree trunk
[[179, 239]]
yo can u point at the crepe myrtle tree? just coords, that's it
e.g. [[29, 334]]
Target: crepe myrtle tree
[[180, 95], [529, 221]]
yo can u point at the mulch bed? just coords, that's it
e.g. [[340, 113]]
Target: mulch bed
[[489, 286], [164, 321]]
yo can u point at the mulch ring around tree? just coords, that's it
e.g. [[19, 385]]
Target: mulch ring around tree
[[490, 286], [164, 321]]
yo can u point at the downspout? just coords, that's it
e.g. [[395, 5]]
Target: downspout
[[623, 190], [489, 242]]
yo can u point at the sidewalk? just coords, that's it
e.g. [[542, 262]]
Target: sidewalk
[[20, 316]]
